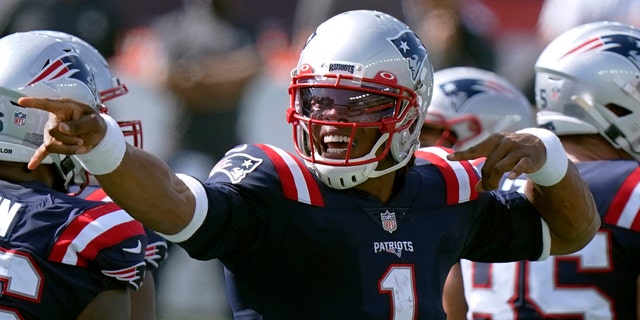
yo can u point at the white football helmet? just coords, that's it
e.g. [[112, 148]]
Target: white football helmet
[[109, 86], [377, 73], [36, 65], [587, 82], [469, 104]]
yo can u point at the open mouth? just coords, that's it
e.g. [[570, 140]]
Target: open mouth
[[335, 146]]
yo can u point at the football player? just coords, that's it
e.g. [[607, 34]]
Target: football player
[[63, 257], [587, 83], [360, 225], [468, 105], [110, 87]]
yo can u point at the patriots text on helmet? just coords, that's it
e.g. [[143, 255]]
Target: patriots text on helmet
[[342, 67]]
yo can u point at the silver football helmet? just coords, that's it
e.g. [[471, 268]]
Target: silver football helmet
[[469, 104], [587, 82], [33, 64], [109, 86], [373, 71]]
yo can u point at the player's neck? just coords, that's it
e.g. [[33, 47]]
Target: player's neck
[[380, 187], [17, 172]]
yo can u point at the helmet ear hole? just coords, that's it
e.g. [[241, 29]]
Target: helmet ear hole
[[618, 110]]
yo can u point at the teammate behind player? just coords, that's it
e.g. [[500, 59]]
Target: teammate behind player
[[63, 257], [110, 87], [469, 104], [587, 83], [365, 226]]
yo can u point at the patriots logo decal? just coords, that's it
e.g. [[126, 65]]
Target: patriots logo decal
[[461, 90], [622, 44], [132, 275], [66, 66], [237, 166], [410, 48], [155, 253]]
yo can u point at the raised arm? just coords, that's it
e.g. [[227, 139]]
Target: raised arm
[[555, 187], [145, 187], [138, 181]]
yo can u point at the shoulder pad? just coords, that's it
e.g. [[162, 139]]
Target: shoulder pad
[[623, 211], [296, 181], [460, 177]]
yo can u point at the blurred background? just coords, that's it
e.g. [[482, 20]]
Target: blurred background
[[205, 75]]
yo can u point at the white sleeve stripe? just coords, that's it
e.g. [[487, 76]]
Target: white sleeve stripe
[[91, 231], [630, 211], [464, 183], [298, 178], [546, 241], [200, 211]]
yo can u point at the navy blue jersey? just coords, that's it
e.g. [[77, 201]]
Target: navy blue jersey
[[156, 251], [297, 249], [59, 252], [597, 282]]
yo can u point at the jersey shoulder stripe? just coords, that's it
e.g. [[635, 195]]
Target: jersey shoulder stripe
[[297, 182], [624, 208], [95, 229], [460, 176], [157, 249], [98, 195]]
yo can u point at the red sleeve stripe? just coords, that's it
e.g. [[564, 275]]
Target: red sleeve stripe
[[92, 231], [460, 176], [98, 195], [297, 182], [624, 208]]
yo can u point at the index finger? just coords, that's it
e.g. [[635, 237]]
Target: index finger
[[46, 104], [37, 158], [480, 150]]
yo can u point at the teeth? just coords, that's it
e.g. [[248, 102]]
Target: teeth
[[336, 150], [328, 139]]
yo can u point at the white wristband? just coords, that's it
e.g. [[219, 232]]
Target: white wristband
[[555, 167], [108, 153]]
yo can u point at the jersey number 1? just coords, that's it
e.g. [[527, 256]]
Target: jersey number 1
[[398, 282]]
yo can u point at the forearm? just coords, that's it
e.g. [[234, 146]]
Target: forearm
[[453, 298], [145, 187], [569, 210]]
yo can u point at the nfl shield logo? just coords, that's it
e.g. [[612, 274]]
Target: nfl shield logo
[[389, 221], [19, 119]]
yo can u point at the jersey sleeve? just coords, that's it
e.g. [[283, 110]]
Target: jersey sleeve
[[506, 228], [106, 238], [504, 224], [244, 193], [157, 249]]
